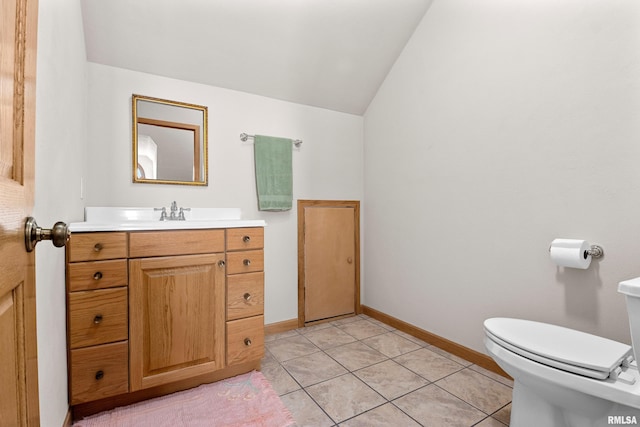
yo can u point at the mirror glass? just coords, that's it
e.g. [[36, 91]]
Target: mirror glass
[[169, 142]]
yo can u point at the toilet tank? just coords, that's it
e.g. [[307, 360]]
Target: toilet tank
[[631, 290]]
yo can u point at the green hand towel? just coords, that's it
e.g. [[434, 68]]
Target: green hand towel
[[274, 174]]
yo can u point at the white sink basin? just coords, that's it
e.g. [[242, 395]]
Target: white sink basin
[[131, 219]]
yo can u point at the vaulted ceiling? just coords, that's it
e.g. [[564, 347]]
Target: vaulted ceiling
[[332, 54]]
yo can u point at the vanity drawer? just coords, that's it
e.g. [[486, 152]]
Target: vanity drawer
[[97, 317], [245, 340], [239, 239], [245, 295], [245, 261], [84, 276], [182, 242], [99, 371], [96, 246]]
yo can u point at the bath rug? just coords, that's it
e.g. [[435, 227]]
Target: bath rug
[[244, 400]]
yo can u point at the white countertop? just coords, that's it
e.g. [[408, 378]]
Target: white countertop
[[139, 219]]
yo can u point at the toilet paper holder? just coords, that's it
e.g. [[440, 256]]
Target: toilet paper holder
[[595, 251]]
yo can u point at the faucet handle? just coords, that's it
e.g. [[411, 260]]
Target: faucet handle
[[163, 214], [181, 213]]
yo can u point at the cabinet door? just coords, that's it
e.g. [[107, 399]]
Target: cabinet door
[[176, 318]]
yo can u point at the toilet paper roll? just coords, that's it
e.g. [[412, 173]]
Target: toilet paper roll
[[570, 253]]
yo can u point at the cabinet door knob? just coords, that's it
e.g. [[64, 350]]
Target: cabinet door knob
[[97, 275], [247, 342], [246, 262], [97, 247], [247, 297], [98, 319], [246, 239], [100, 375], [221, 263]]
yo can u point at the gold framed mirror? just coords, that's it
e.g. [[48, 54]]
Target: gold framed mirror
[[169, 142]]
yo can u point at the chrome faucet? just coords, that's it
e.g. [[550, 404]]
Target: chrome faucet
[[177, 214], [174, 209]]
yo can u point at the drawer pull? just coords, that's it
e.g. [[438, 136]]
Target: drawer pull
[[246, 239], [98, 319], [247, 297], [98, 247], [221, 263], [247, 342], [246, 261], [99, 375], [98, 275]]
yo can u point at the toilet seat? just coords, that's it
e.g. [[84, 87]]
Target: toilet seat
[[562, 348]]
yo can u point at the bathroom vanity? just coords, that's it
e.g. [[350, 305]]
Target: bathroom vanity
[[155, 307]]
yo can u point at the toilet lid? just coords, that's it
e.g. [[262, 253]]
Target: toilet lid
[[564, 348]]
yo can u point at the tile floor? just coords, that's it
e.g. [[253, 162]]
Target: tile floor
[[361, 372]]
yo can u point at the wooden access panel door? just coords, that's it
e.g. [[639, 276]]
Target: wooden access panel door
[[330, 259], [176, 318], [18, 352]]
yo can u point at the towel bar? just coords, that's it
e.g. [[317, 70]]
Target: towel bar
[[244, 137]]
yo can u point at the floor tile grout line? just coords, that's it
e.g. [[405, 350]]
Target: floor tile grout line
[[483, 420], [391, 357], [319, 382], [421, 344], [420, 375], [348, 371], [302, 388], [500, 409], [401, 410], [335, 423], [386, 401], [487, 376], [451, 393], [372, 389], [462, 400], [392, 401]]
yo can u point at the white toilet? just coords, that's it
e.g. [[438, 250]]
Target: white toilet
[[569, 378]]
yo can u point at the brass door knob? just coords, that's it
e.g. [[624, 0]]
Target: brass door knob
[[59, 234], [247, 342]]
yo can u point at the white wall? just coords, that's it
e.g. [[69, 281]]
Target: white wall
[[61, 121], [503, 125], [328, 165]]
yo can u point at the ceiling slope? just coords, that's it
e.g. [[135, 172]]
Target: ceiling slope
[[331, 54]]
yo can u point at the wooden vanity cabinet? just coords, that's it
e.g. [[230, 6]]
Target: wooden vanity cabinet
[[97, 316], [153, 311], [176, 307], [245, 295]]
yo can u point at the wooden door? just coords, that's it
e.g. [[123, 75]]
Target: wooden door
[[18, 352], [176, 318], [329, 260]]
